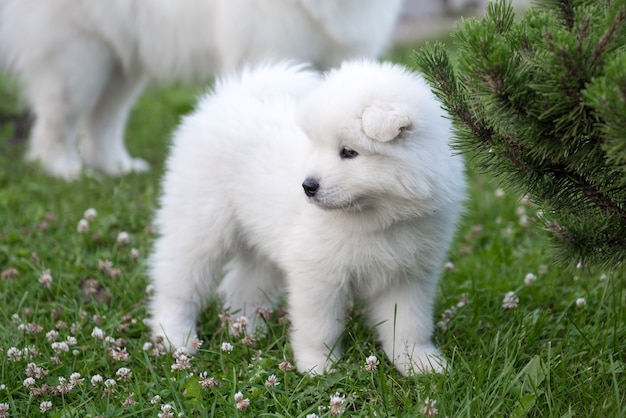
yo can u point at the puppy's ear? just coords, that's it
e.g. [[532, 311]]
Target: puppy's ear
[[384, 124]]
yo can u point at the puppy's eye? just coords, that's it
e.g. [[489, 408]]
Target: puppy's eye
[[347, 153]]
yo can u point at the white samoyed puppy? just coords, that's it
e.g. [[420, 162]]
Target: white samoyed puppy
[[84, 62], [336, 190]]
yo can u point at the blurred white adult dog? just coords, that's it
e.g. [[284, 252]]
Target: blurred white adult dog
[[334, 190], [84, 62]]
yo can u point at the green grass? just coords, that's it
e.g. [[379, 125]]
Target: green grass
[[548, 357]]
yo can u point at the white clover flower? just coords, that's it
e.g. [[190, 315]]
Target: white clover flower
[[123, 238], [155, 399], [227, 347], [243, 404], [166, 411], [580, 302], [32, 370], [14, 354], [524, 221], [133, 253], [44, 406], [110, 383], [272, 381], [238, 326], [96, 380], [285, 366], [46, 279], [123, 373], [196, 343], [529, 279], [180, 351], [257, 356], [510, 300], [83, 226], [147, 346], [28, 382], [71, 340], [60, 347], [208, 382], [34, 328], [371, 363], [98, 333], [52, 335], [336, 404], [448, 266], [463, 300], [429, 410], [182, 363], [240, 402], [117, 353], [64, 386], [29, 352], [224, 316], [90, 214], [76, 379]]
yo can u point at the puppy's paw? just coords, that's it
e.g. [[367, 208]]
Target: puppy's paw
[[315, 363], [124, 166], [64, 164], [111, 162], [422, 359], [174, 337], [138, 165]]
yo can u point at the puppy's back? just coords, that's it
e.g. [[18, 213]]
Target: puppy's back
[[269, 80]]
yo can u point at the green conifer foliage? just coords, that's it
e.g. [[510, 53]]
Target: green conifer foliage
[[540, 101]]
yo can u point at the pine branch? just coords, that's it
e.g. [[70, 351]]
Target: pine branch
[[610, 207], [541, 103], [433, 61], [609, 36]]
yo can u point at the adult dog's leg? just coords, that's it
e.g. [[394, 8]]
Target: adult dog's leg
[[103, 149], [62, 86]]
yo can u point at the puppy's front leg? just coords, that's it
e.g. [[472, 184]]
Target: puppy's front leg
[[317, 313], [402, 314]]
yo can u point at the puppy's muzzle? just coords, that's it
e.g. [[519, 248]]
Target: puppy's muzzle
[[310, 186]]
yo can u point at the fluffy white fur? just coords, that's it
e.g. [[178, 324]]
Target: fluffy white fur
[[373, 227], [84, 62]]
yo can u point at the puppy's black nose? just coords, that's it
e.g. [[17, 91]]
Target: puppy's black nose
[[310, 186]]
